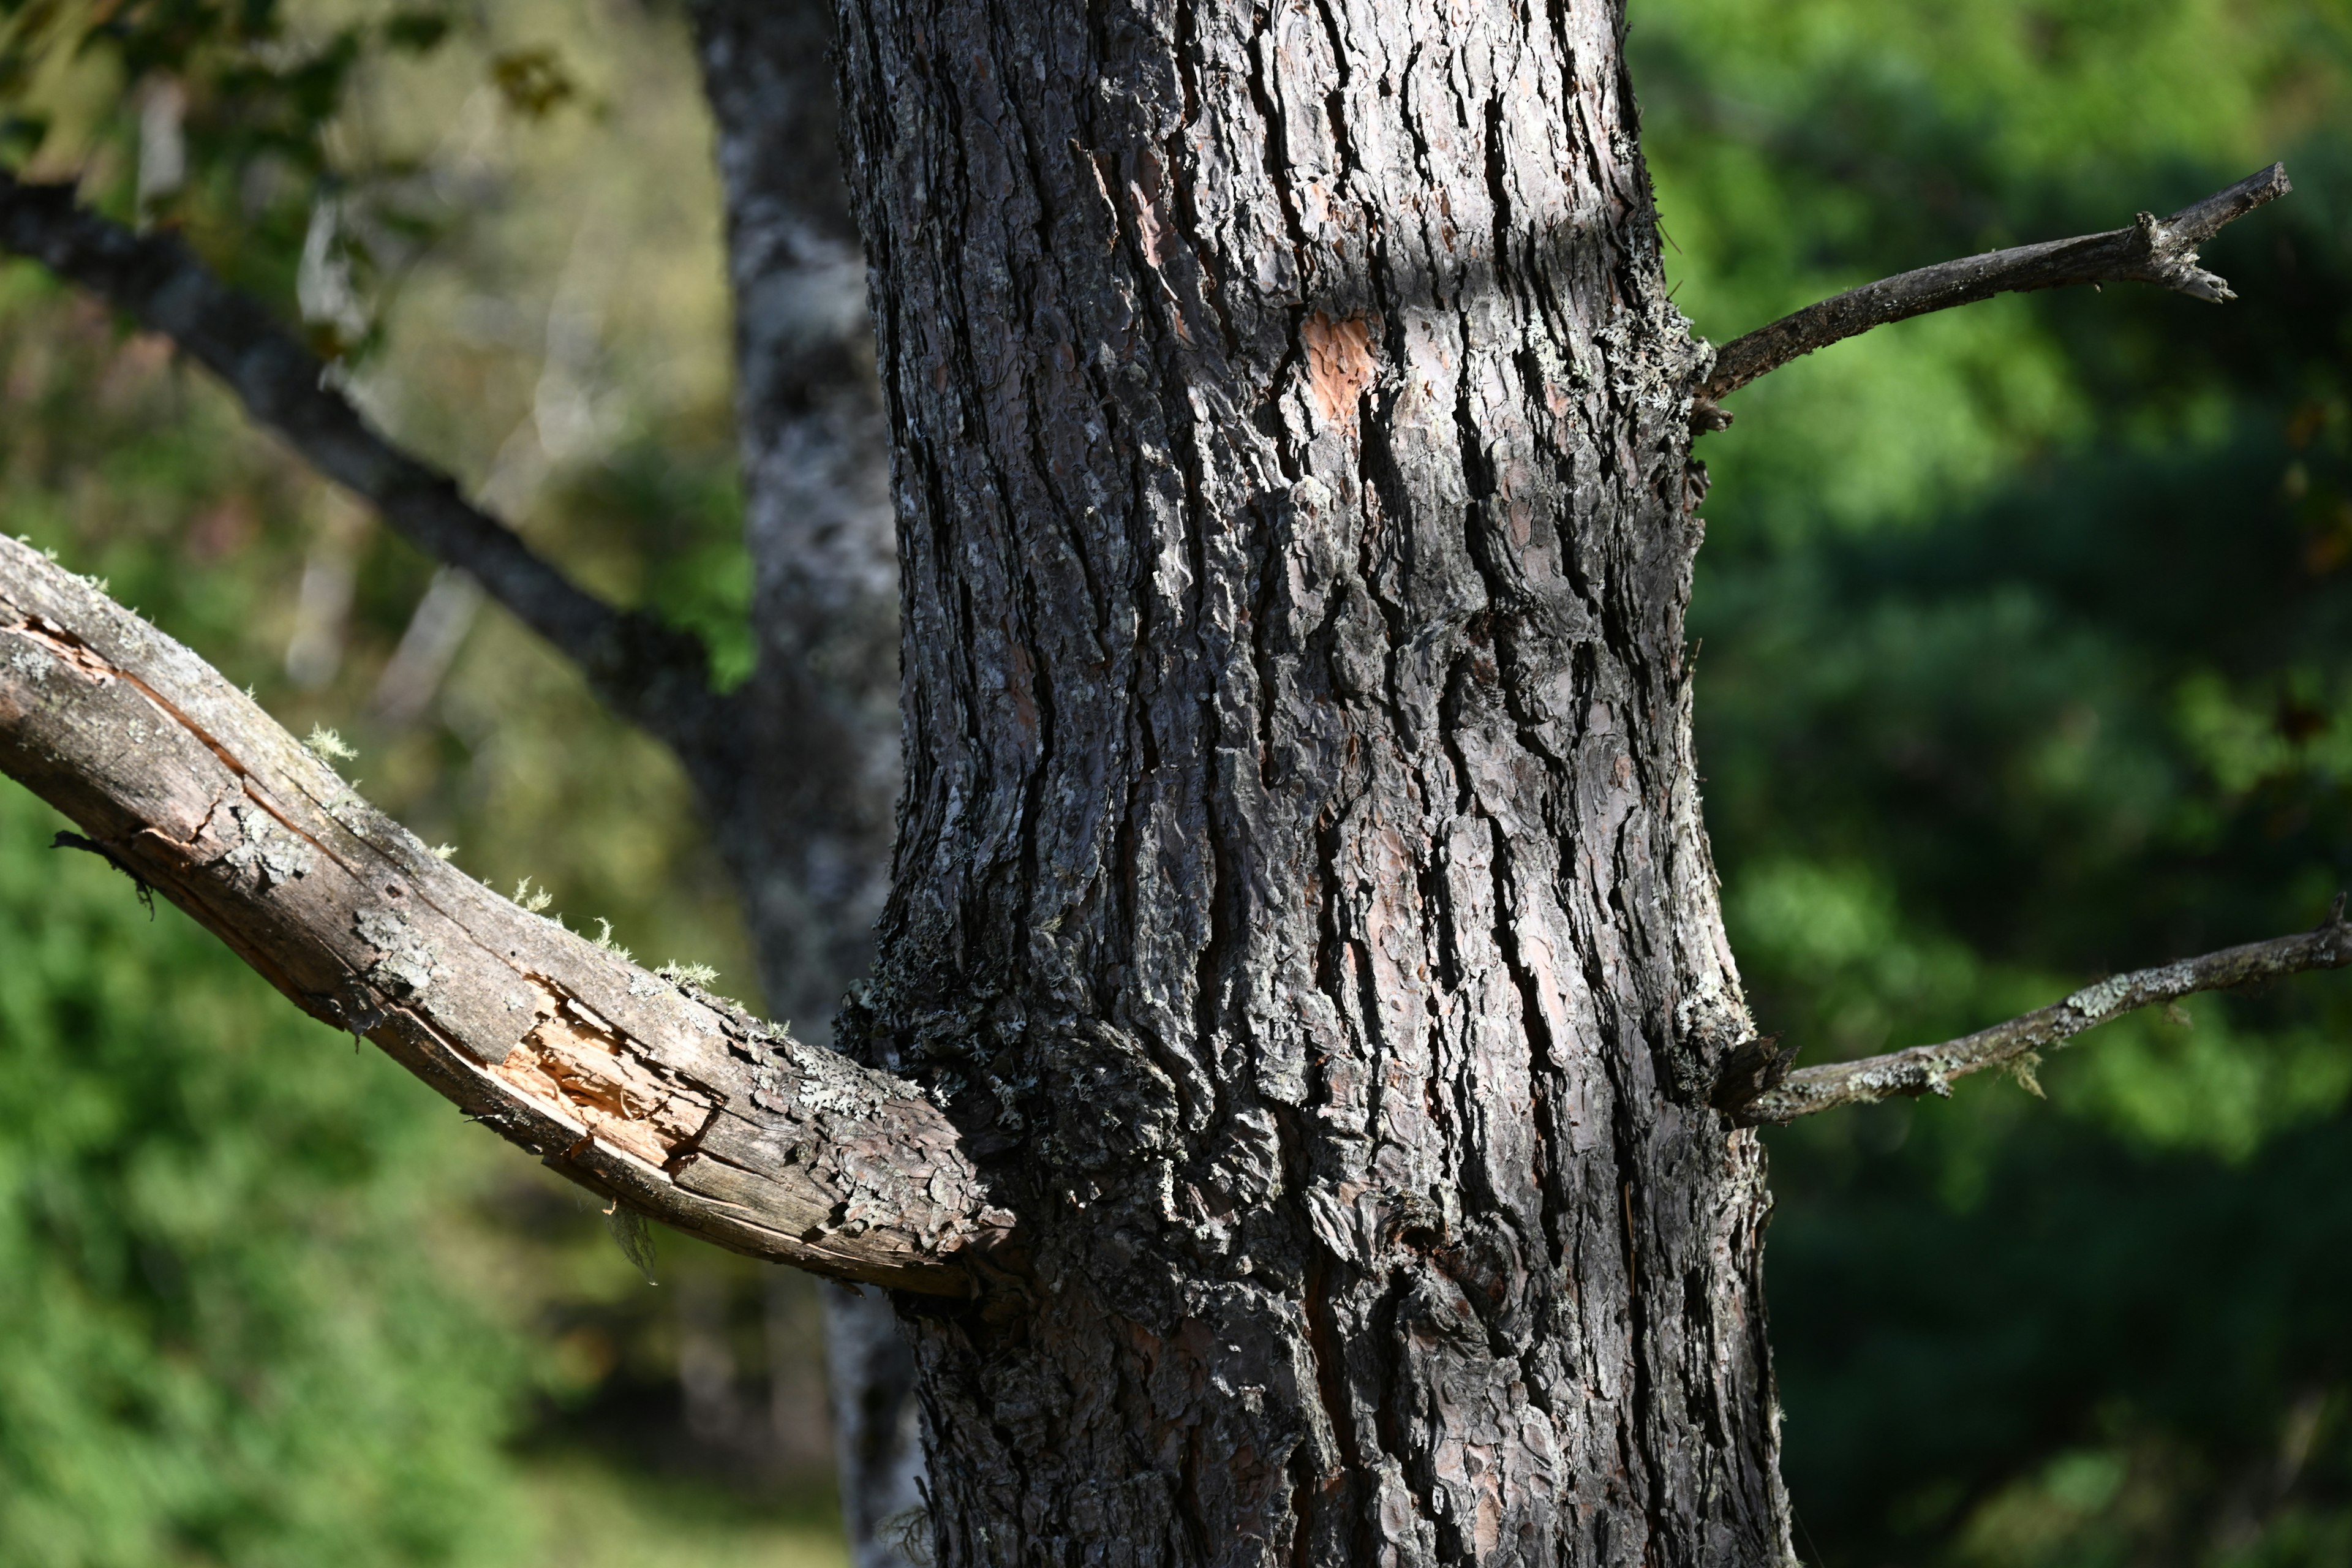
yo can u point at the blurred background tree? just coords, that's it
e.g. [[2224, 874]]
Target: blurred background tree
[[2026, 659]]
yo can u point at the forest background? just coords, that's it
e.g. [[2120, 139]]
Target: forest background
[[2027, 656]]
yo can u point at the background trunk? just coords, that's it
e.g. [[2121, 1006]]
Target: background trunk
[[1299, 893], [808, 836]]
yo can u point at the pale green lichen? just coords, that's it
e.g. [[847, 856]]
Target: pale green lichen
[[530, 900], [327, 746], [443, 851], [2025, 1069], [604, 939], [410, 963], [700, 974]]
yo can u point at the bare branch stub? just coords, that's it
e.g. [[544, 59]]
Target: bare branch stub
[[1931, 1069], [2162, 252], [641, 1086], [653, 674]]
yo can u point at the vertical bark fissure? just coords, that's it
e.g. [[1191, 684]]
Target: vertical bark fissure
[[1540, 1045], [1641, 1431]]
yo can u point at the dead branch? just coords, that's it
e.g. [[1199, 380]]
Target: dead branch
[[653, 674], [2150, 251], [1929, 1070], [641, 1086]]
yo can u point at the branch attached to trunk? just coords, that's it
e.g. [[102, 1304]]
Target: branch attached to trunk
[[1929, 1070], [640, 1087], [653, 674], [2150, 251]]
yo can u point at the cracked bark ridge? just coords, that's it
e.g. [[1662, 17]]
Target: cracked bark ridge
[[1931, 1069], [652, 673], [647, 1092], [1300, 898], [2162, 252]]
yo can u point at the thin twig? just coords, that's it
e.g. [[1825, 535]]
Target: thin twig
[[654, 674], [2150, 251], [1929, 1070]]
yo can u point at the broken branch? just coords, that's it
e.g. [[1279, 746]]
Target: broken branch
[[641, 1086], [653, 674], [1929, 1070], [2150, 251]]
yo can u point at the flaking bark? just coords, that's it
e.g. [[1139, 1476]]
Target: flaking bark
[[798, 770], [1302, 907]]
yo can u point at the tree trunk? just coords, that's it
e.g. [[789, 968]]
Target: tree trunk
[[810, 831], [1300, 901]]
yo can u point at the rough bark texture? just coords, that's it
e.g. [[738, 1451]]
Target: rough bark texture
[[1300, 904], [1300, 900], [808, 836], [638, 1086], [799, 769]]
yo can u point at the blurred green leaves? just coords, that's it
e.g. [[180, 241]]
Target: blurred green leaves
[[229, 1336], [2028, 649]]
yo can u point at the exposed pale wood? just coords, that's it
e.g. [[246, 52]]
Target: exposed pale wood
[[614, 1075], [797, 769]]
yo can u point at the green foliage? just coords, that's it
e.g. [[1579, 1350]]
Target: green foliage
[[2024, 662], [209, 114], [229, 1335]]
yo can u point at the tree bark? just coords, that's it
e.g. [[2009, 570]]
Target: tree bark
[[1300, 901]]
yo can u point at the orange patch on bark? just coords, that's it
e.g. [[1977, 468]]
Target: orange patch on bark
[[1339, 366]]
